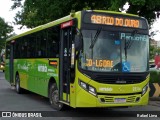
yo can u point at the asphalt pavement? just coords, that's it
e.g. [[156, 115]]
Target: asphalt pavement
[[11, 101]]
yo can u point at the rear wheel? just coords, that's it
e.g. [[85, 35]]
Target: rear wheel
[[54, 98], [18, 88]]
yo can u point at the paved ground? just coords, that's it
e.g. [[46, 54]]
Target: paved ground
[[155, 102]]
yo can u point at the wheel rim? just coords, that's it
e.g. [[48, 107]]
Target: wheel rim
[[55, 99]]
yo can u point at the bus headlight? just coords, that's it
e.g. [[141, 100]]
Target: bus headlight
[[145, 88], [92, 90], [88, 88], [83, 85]]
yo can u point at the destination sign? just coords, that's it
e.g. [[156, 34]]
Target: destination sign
[[115, 20], [99, 63]]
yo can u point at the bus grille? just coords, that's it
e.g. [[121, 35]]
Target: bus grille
[[110, 99], [131, 99]]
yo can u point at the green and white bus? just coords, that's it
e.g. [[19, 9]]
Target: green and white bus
[[90, 58]]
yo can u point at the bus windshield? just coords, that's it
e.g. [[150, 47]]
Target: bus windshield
[[110, 51]]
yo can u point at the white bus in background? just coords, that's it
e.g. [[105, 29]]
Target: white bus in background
[[2, 60]]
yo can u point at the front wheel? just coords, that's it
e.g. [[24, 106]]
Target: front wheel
[[18, 88], [54, 98]]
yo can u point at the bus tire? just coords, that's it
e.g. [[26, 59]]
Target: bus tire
[[54, 97], [18, 88]]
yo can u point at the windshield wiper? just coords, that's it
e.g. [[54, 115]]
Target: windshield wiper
[[128, 43], [95, 38]]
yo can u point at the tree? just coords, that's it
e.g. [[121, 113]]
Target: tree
[[37, 12], [5, 30], [152, 52]]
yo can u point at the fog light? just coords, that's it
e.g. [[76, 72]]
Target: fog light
[[137, 99], [102, 100]]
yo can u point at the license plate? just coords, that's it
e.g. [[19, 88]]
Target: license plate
[[119, 100]]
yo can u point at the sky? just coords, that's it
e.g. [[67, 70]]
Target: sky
[[156, 27], [8, 15]]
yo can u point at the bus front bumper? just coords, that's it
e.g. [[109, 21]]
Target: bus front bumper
[[85, 99]]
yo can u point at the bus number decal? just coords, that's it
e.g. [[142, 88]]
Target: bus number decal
[[42, 68], [108, 89]]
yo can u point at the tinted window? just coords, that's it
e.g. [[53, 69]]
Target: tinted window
[[42, 44]]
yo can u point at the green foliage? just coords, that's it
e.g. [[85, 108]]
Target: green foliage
[[145, 8], [157, 51], [116, 4], [138, 2], [154, 76], [2, 44], [5, 29], [37, 12], [152, 52]]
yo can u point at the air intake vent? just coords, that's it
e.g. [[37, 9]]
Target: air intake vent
[[131, 99], [126, 79], [116, 78]]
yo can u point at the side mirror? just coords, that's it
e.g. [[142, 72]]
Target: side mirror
[[78, 42]]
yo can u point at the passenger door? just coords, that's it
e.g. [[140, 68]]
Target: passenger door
[[65, 62]]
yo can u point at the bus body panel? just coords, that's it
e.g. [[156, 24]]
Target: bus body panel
[[85, 99], [7, 70], [35, 74], [110, 92]]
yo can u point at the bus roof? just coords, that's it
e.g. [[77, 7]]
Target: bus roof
[[66, 18], [114, 12], [44, 26]]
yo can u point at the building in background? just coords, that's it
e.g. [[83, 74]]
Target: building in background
[[154, 43]]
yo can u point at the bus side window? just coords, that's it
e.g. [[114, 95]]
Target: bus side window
[[41, 44], [31, 48], [17, 48], [53, 41]]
